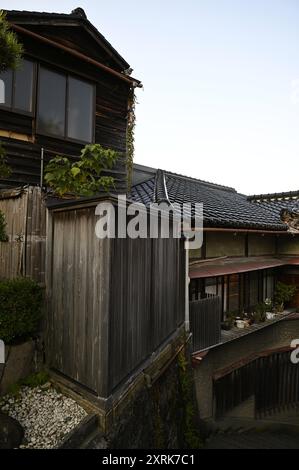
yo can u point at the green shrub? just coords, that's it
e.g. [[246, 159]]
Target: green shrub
[[83, 177], [259, 314], [20, 309], [10, 49], [283, 293]]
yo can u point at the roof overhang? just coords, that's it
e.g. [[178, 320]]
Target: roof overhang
[[225, 266]]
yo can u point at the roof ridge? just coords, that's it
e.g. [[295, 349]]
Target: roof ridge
[[208, 183], [274, 196], [81, 17]]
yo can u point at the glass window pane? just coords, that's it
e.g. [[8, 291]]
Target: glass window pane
[[80, 110], [6, 88], [24, 87], [51, 102]]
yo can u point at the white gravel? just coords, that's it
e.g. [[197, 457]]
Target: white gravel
[[45, 414]]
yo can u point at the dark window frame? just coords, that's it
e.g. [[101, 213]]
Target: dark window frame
[[65, 137], [13, 109]]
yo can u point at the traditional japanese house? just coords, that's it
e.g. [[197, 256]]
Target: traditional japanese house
[[114, 315], [249, 244], [73, 88]]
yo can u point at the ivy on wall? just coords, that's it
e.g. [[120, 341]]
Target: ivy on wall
[[131, 136], [3, 235], [5, 170]]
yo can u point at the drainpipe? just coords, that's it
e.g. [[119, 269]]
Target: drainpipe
[[41, 167], [187, 317]]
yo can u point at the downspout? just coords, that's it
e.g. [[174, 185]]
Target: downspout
[[187, 280], [160, 196], [41, 167]]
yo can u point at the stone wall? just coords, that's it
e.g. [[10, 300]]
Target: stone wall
[[162, 414], [274, 336]]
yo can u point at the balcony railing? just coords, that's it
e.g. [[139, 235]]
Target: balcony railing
[[205, 322]]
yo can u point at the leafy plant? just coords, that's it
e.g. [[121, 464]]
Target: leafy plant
[[191, 434], [5, 170], [3, 235], [20, 309], [10, 49], [259, 313], [82, 178], [283, 293]]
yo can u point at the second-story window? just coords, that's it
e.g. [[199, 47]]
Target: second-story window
[[65, 106], [18, 88]]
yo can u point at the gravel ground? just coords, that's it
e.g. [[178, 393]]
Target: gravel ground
[[45, 414]]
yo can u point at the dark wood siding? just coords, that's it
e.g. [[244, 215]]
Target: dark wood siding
[[147, 302], [110, 120]]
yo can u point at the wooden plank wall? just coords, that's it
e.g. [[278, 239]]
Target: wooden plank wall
[[147, 304], [24, 253], [77, 291], [112, 303], [205, 322]]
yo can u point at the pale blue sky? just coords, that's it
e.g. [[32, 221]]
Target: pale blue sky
[[221, 84]]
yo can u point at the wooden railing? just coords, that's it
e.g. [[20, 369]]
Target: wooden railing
[[205, 322], [270, 378]]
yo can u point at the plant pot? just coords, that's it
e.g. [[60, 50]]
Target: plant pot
[[241, 324], [19, 364], [226, 325]]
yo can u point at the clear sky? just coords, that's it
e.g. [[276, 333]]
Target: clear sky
[[221, 84]]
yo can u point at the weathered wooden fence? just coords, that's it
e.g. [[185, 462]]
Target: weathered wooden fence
[[112, 302], [272, 379], [25, 216], [205, 322]]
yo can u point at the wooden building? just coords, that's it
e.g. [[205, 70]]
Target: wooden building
[[246, 249], [72, 89], [114, 307]]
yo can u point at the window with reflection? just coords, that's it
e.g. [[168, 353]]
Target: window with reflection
[[51, 102], [17, 88], [65, 106]]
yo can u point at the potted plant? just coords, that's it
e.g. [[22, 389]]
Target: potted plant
[[283, 293], [259, 314], [20, 316], [229, 321]]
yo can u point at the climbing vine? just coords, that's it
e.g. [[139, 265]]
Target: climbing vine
[[190, 432], [3, 235], [5, 170], [131, 136]]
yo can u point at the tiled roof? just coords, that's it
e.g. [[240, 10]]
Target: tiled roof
[[274, 203], [222, 205]]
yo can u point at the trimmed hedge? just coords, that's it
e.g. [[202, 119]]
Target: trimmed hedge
[[20, 309]]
